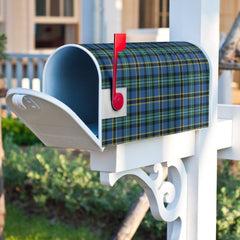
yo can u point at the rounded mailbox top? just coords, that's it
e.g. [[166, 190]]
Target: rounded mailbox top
[[167, 87]]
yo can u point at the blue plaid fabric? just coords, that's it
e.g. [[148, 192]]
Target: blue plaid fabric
[[167, 89]]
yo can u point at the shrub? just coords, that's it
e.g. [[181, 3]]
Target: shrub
[[228, 207], [62, 178], [19, 132], [3, 42], [55, 177]]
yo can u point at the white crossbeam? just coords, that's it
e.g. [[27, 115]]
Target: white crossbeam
[[231, 112]]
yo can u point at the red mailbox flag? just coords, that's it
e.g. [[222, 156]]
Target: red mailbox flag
[[119, 45]]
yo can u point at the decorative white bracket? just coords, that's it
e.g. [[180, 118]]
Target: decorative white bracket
[[168, 199]]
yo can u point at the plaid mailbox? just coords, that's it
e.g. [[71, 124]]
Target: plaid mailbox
[[165, 87]]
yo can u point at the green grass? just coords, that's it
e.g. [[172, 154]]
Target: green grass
[[21, 227]]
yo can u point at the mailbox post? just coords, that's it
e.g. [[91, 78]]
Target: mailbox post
[[185, 133], [199, 21]]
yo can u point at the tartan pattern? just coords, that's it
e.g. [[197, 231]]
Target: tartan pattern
[[167, 89]]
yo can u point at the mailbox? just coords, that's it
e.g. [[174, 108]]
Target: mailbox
[[164, 88]]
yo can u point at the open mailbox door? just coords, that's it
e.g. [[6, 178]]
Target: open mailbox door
[[53, 122]]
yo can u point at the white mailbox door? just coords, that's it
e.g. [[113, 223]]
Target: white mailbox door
[[53, 122]]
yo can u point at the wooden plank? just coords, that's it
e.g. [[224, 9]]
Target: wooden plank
[[229, 65], [229, 46], [130, 14], [150, 151], [40, 66], [8, 73], [19, 72], [225, 92], [231, 112], [30, 71]]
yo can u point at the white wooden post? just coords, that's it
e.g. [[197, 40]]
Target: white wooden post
[[197, 21], [225, 94], [191, 157]]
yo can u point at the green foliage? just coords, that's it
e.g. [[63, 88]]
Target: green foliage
[[3, 41], [228, 208], [22, 227], [157, 228], [54, 177], [66, 179], [19, 132]]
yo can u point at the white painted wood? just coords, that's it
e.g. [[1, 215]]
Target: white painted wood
[[225, 87], [107, 110], [197, 21], [167, 199], [159, 192], [98, 16], [224, 134], [231, 112], [50, 83], [148, 35], [54, 123], [87, 22], [112, 19], [201, 172], [144, 153]]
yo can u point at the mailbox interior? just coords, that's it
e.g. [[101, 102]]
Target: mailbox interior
[[72, 76]]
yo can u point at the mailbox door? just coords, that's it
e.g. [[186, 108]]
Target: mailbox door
[[53, 122]]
